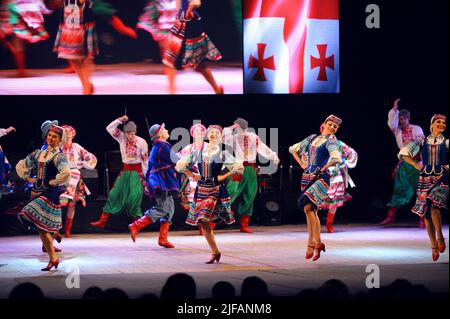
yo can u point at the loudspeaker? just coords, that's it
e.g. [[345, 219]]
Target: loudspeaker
[[268, 209]]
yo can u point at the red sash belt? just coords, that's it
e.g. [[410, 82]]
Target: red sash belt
[[132, 167]]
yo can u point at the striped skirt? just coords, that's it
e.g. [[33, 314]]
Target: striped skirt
[[44, 212], [431, 189], [188, 45], [317, 193], [72, 43], [211, 203], [155, 21]]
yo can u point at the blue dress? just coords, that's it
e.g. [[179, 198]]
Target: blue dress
[[315, 184], [432, 187], [211, 200], [44, 210]]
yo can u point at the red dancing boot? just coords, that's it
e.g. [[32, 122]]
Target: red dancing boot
[[118, 25], [390, 216], [329, 223], [245, 219], [139, 225], [101, 223], [163, 231], [421, 222], [67, 227]]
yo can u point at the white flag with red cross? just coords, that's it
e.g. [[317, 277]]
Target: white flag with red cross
[[291, 46]]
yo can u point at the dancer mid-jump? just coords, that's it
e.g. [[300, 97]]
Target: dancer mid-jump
[[432, 188], [323, 158], [129, 187]]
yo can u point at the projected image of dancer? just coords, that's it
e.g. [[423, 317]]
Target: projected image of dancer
[[52, 171], [104, 11], [211, 201], [78, 158], [323, 158], [158, 18], [76, 40], [405, 175], [432, 188], [21, 22], [188, 46]]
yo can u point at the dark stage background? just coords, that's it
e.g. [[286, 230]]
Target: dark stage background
[[406, 58]]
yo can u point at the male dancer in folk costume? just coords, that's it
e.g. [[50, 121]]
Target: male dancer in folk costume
[[78, 158], [405, 175], [432, 187], [43, 212], [163, 186], [5, 167], [246, 146], [129, 187]]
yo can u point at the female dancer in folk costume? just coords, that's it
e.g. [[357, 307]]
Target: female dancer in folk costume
[[339, 180], [158, 18], [130, 185], [188, 46], [189, 184], [44, 210], [323, 155], [405, 175], [163, 186], [432, 188], [5, 166], [78, 157], [211, 201], [76, 40], [21, 22], [106, 12]]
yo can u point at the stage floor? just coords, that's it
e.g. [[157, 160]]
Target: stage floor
[[122, 78], [276, 254]]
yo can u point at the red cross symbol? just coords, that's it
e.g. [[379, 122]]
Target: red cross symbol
[[323, 62], [261, 63]]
